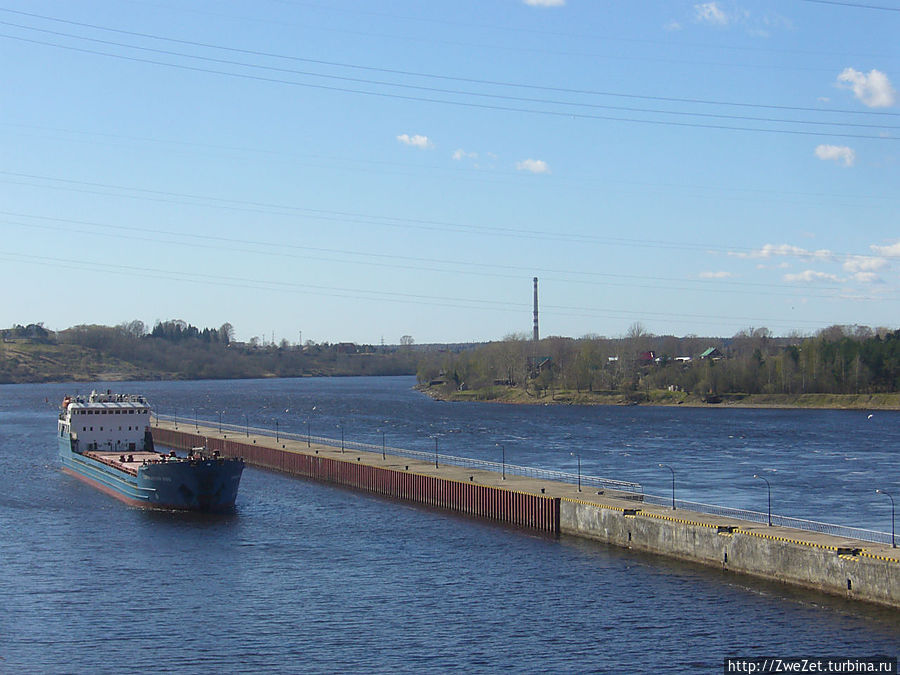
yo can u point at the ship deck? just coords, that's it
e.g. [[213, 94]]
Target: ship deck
[[131, 463]]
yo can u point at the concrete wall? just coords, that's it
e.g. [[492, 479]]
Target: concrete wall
[[833, 569]]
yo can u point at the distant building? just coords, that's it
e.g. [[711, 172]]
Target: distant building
[[712, 353]]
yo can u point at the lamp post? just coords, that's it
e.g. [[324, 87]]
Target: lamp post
[[666, 466], [307, 433], [383, 455], [196, 424], [247, 425], [882, 492], [435, 452], [769, 491], [220, 420], [176, 417], [341, 427], [578, 457], [277, 440], [503, 459]]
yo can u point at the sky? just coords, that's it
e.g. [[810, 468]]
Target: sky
[[349, 171]]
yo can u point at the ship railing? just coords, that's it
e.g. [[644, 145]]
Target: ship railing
[[632, 491]]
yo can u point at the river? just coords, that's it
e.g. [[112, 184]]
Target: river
[[308, 578]]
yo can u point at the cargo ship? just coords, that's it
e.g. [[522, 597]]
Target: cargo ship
[[105, 439]]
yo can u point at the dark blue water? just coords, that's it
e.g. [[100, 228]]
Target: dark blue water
[[309, 578]]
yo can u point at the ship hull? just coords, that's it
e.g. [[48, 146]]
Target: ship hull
[[208, 484]]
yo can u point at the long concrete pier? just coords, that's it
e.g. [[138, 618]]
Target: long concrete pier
[[846, 567]]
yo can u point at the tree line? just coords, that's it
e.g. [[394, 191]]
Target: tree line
[[836, 360], [175, 349]]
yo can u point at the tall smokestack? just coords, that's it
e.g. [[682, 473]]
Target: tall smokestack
[[536, 334]]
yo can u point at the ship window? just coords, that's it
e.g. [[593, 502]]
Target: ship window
[[92, 428], [84, 428]]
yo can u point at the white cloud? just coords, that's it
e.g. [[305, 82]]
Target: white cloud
[[864, 263], [673, 25], [533, 165], [710, 12], [417, 141], [715, 275], [873, 89], [811, 275], [863, 268], [544, 3], [890, 251], [775, 250], [838, 153], [460, 154], [866, 278]]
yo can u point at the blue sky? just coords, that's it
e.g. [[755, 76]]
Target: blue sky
[[359, 171]]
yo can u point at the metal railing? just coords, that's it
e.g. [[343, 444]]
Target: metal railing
[[466, 462], [632, 490], [779, 520]]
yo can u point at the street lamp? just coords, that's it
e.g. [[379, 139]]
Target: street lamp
[[383, 455], [307, 433], [341, 427], [176, 417], [247, 425], [666, 466], [196, 424], [503, 459], [220, 420], [435, 452], [277, 440], [769, 490], [882, 492], [578, 457]]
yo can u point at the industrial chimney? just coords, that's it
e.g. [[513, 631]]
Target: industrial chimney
[[536, 334]]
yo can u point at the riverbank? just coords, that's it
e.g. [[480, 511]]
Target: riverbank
[[515, 395]]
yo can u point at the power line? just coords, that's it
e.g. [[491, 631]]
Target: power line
[[858, 5], [352, 217], [394, 71], [428, 264], [468, 104], [206, 45], [465, 104], [365, 294]]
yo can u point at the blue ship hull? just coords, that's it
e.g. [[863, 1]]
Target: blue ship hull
[[201, 484]]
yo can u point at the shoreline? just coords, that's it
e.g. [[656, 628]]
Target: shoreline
[[512, 396]]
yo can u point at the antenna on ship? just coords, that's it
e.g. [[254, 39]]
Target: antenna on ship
[[536, 335]]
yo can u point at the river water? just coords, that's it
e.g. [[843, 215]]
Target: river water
[[308, 578]]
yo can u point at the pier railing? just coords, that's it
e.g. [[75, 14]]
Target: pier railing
[[783, 521], [632, 490], [467, 462]]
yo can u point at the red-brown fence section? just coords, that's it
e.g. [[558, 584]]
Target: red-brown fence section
[[521, 509]]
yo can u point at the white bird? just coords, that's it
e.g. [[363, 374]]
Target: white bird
[[870, 416]]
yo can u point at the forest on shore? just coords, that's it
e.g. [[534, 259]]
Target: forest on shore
[[177, 350], [841, 366]]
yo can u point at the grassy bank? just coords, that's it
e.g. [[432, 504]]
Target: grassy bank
[[515, 395]]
